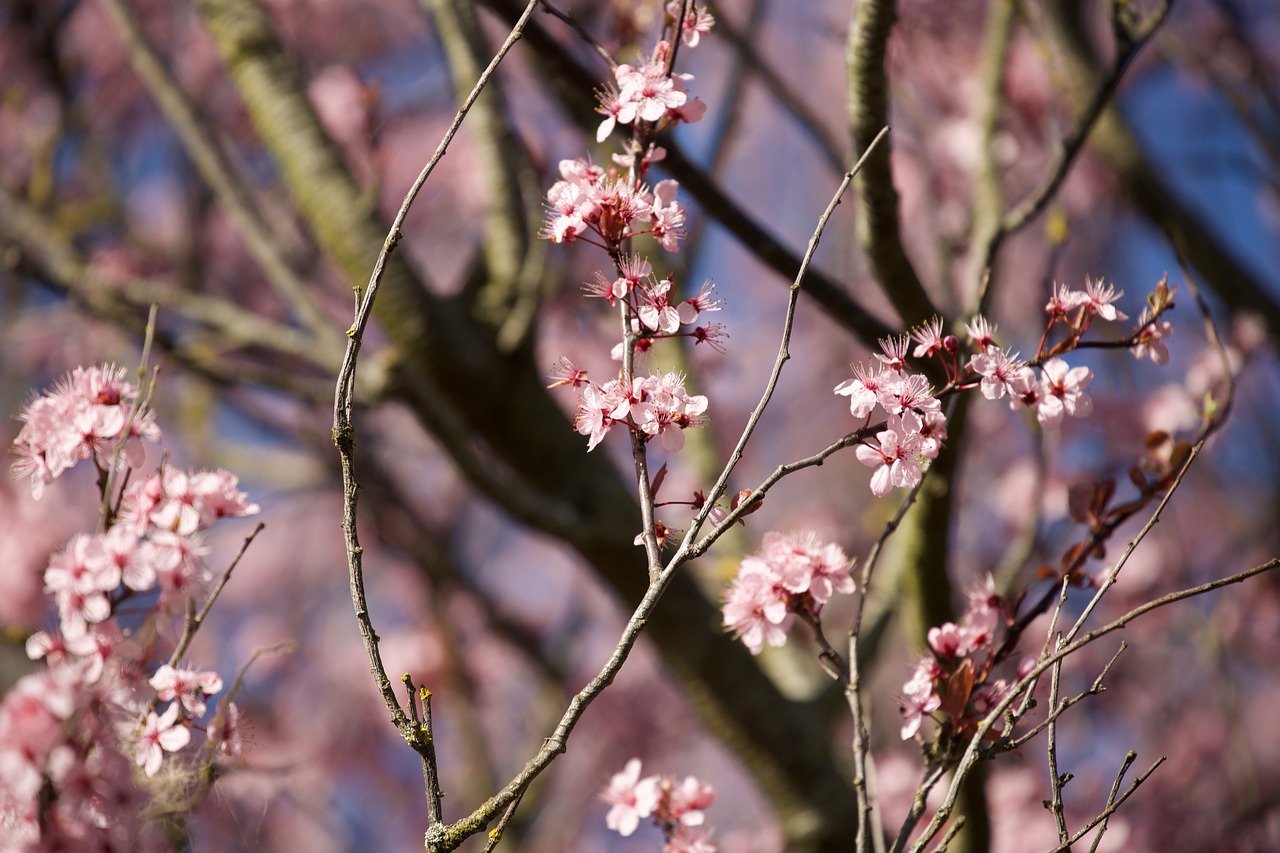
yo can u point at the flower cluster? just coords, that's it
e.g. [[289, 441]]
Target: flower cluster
[[67, 727], [952, 679], [792, 573], [84, 416], [916, 426], [588, 200], [655, 405], [676, 807], [655, 313], [650, 92]]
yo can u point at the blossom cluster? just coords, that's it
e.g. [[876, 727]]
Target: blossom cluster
[[70, 731], [85, 416], [915, 427], [792, 573], [676, 808], [655, 405], [957, 667], [588, 200], [649, 92]]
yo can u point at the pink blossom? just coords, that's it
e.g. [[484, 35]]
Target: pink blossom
[[1150, 342], [863, 389], [159, 735], [190, 687], [929, 337], [1063, 392], [630, 798], [696, 24], [805, 564], [565, 372], [933, 432], [686, 840], [666, 409], [1063, 301], [981, 332], [895, 459], [911, 392], [997, 370], [226, 730], [1098, 297], [655, 309], [83, 417], [755, 606], [598, 410], [946, 640], [667, 220], [894, 357], [695, 305], [919, 698]]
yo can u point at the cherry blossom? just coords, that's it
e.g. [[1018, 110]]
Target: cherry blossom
[[863, 389], [189, 687], [631, 798], [160, 734], [84, 416], [930, 339], [895, 459], [1098, 298], [981, 332], [696, 24], [1063, 392], [919, 696], [998, 371], [1063, 301], [1150, 343]]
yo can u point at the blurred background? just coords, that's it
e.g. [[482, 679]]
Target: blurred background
[[236, 162]]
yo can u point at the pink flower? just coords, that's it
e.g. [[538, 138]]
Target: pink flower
[[666, 409], [655, 308], [226, 731], [1151, 340], [918, 696], [565, 372], [687, 840], [188, 686], [1098, 297], [84, 416], [159, 735], [929, 337], [946, 641], [667, 221], [997, 370], [1063, 392], [863, 389], [630, 798], [895, 459], [1063, 301], [981, 332], [755, 606], [894, 351], [696, 24], [911, 393]]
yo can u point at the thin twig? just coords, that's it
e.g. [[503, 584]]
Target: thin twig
[[1111, 809], [1129, 758], [687, 548], [1021, 215], [344, 431], [1056, 781]]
